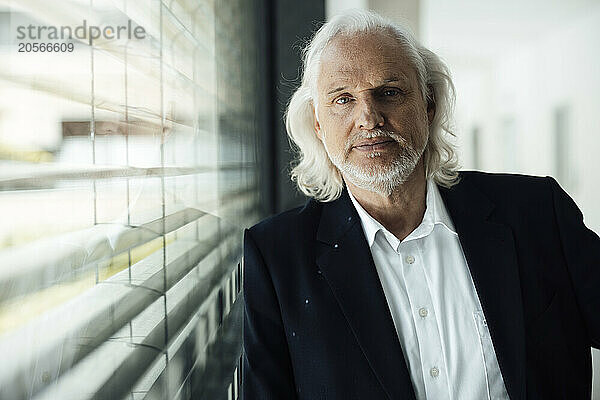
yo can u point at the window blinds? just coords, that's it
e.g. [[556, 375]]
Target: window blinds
[[127, 172]]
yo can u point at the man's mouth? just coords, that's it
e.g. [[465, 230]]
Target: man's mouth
[[373, 144]]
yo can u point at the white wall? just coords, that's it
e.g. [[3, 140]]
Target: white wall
[[526, 86], [333, 7]]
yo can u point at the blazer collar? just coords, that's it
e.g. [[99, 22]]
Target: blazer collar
[[346, 263]]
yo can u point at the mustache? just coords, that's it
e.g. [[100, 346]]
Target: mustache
[[374, 133]]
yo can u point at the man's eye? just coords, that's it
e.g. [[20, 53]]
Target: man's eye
[[342, 100], [391, 92]]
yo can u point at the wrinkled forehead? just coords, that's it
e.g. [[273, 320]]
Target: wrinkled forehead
[[364, 58]]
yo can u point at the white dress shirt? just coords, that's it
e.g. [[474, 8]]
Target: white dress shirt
[[435, 307]]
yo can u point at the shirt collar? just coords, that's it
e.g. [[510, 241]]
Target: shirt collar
[[435, 213]]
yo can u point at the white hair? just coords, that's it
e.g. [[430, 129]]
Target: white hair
[[314, 173]]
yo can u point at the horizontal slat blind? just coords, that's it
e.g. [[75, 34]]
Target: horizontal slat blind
[[127, 173]]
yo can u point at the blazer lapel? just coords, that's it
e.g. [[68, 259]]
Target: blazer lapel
[[347, 265], [491, 256]]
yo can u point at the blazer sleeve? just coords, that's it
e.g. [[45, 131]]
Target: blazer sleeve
[[266, 370], [581, 248]]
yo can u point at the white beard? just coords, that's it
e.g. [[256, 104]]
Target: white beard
[[382, 179]]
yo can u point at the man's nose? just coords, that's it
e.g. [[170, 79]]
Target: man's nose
[[369, 117]]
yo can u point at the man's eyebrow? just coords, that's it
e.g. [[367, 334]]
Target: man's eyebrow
[[394, 79], [339, 89]]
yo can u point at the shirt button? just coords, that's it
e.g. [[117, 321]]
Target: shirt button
[[434, 372], [410, 259], [423, 312]]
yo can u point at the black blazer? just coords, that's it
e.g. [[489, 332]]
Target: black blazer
[[317, 324]]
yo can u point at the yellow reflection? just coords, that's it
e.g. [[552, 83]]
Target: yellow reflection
[[11, 153], [17, 312]]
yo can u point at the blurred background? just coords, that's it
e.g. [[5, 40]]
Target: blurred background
[[130, 167]]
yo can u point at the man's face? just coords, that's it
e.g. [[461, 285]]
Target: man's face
[[372, 117]]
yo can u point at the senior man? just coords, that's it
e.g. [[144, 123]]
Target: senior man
[[403, 278]]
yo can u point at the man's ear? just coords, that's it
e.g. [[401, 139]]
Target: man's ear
[[317, 126]]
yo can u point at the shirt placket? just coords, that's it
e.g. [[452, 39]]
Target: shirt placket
[[433, 366]]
